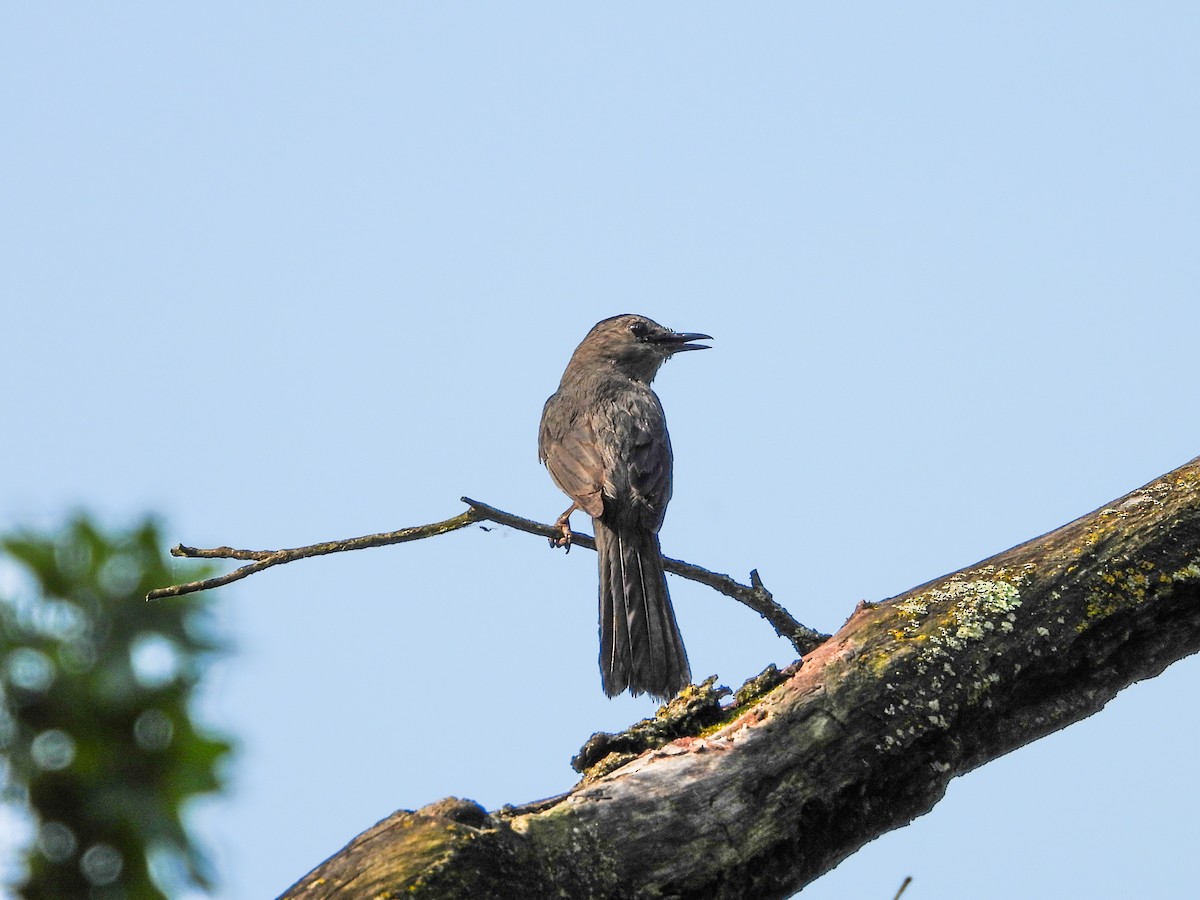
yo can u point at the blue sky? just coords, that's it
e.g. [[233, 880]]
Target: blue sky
[[285, 273]]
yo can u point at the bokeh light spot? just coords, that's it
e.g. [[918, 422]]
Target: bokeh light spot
[[153, 730], [59, 618], [155, 659], [101, 864], [53, 750], [30, 669], [120, 575], [56, 842]]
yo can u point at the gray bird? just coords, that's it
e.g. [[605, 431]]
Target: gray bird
[[604, 439]]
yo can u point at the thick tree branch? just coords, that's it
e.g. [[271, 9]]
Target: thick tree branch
[[754, 595], [860, 739]]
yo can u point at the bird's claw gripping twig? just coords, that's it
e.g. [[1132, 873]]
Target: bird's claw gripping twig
[[563, 524], [563, 539]]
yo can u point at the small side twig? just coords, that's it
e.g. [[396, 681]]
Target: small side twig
[[754, 595]]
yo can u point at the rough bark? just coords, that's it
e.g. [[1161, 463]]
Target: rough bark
[[860, 739]]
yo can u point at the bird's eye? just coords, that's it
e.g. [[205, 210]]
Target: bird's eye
[[638, 329]]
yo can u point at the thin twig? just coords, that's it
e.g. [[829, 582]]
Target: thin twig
[[754, 595], [265, 559], [907, 882]]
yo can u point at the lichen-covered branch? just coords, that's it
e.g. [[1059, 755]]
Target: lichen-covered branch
[[754, 595], [759, 798]]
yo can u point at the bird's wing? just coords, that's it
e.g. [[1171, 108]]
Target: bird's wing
[[569, 448], [638, 474]]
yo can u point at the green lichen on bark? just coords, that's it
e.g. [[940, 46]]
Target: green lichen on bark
[[962, 609]]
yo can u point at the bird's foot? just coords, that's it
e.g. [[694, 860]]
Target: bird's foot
[[564, 537], [563, 524]]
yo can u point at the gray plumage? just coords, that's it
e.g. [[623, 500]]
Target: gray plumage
[[604, 439]]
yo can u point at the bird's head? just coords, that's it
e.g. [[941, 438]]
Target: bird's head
[[635, 346]]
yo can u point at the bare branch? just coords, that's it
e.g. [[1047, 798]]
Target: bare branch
[[192, 587], [754, 595], [265, 559]]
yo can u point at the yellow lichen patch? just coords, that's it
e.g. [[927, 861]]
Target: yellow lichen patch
[[1123, 587], [1127, 583], [1187, 478], [1104, 526], [1100, 606]]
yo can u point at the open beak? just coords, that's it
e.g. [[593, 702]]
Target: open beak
[[674, 342]]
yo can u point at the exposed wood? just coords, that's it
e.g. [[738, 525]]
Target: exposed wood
[[859, 740]]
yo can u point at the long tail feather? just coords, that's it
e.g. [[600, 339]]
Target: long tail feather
[[640, 647]]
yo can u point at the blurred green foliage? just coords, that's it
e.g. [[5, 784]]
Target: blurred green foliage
[[95, 727]]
